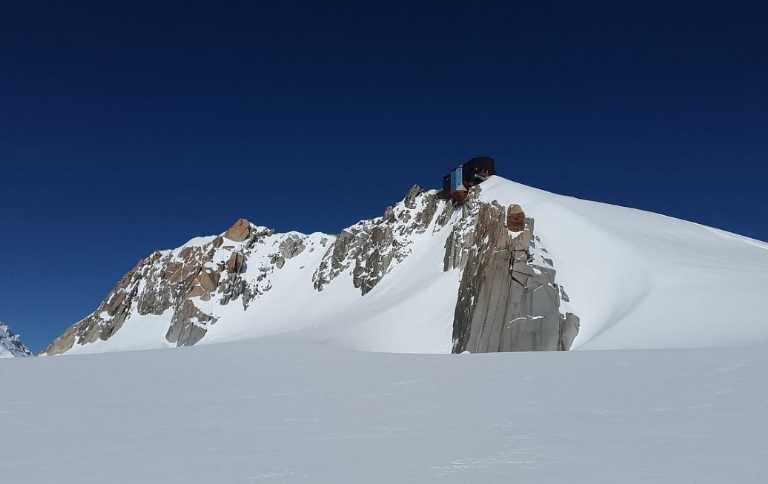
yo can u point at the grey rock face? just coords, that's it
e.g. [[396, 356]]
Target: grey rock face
[[185, 329], [410, 198], [369, 249], [445, 215], [461, 238], [505, 301], [389, 215], [427, 213], [292, 246]]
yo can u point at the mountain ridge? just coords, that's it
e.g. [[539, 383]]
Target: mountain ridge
[[513, 269]]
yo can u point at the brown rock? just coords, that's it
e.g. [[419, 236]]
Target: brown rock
[[186, 252], [235, 263], [188, 325], [515, 218], [240, 231], [209, 280], [196, 291], [115, 303], [171, 269], [218, 241], [63, 343]]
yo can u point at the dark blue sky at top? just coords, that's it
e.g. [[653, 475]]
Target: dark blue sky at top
[[129, 127]]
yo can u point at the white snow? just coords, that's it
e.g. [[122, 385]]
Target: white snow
[[285, 410], [634, 278], [289, 402], [642, 280], [197, 242], [139, 332]]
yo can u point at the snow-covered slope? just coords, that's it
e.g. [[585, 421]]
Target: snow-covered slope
[[642, 280], [10, 344], [279, 410], [283, 399], [398, 283]]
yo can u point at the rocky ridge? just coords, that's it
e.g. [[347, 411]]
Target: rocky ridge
[[492, 249], [232, 268], [370, 248]]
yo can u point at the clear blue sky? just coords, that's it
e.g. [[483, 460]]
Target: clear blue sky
[[129, 127]]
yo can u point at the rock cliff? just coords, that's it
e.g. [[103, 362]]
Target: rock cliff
[[508, 299]]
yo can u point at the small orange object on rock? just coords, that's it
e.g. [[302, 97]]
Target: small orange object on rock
[[515, 218]]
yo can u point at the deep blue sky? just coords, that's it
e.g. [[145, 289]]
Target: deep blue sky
[[128, 127]]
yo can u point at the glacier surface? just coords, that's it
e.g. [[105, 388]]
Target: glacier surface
[[287, 410]]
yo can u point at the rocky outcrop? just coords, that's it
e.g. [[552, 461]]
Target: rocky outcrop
[[239, 231], [370, 249], [411, 196], [508, 300], [461, 238], [515, 218], [209, 280], [235, 263], [186, 284], [188, 325], [292, 246], [11, 345]]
